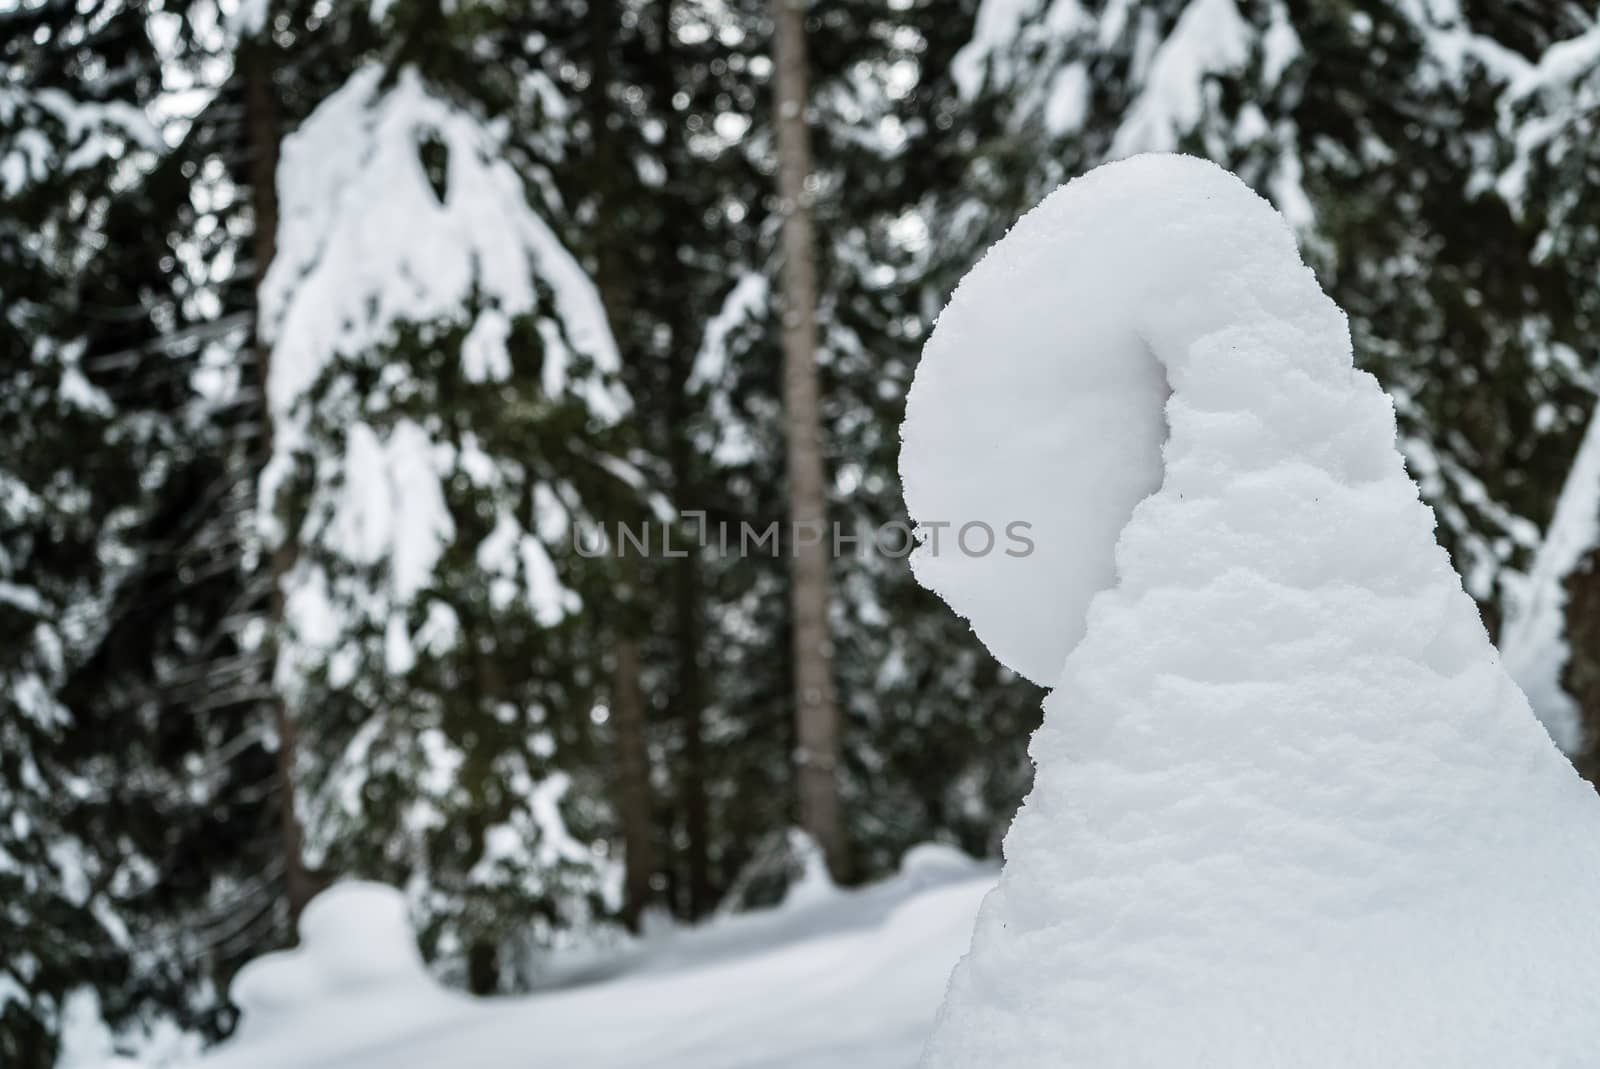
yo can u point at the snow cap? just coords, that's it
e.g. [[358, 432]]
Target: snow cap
[[1039, 399]]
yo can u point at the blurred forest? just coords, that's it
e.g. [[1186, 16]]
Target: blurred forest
[[327, 328]]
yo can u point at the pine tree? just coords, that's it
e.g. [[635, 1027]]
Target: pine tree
[[671, 212], [1546, 124], [445, 420], [126, 771], [58, 566], [918, 760]]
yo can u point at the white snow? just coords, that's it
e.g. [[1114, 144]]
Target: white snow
[[1280, 45], [500, 554], [1005, 28], [91, 133], [247, 18], [483, 354], [356, 971], [1547, 106], [1067, 106], [835, 980], [1210, 38], [365, 243], [1289, 808], [727, 434], [1534, 643], [392, 506], [1451, 47], [997, 25], [87, 1042]]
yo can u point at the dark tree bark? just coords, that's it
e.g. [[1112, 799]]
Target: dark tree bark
[[633, 782], [816, 711], [262, 130], [631, 791], [1582, 676], [689, 697]]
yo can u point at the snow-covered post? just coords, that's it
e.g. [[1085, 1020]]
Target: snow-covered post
[[1289, 808]]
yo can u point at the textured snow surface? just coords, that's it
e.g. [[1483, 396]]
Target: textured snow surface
[[837, 980], [1290, 810], [1535, 639]]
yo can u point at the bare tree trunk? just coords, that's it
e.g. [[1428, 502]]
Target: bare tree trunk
[[633, 781], [631, 792], [816, 712], [693, 774], [261, 130], [616, 276]]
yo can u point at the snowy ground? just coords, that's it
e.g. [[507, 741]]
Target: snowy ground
[[830, 980]]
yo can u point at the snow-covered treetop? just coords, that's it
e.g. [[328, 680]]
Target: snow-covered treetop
[[368, 239], [399, 209], [1284, 783]]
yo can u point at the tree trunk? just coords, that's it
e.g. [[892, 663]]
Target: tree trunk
[[693, 775], [689, 698], [1581, 678], [261, 130], [633, 781], [615, 276], [816, 713]]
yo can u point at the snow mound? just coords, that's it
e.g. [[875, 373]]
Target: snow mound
[[851, 981], [935, 861], [356, 973], [1289, 807], [354, 937]]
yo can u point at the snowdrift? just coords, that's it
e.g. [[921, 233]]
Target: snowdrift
[[832, 979], [1290, 810]]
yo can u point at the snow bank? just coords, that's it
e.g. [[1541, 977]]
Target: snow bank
[[1289, 808], [849, 980], [356, 978]]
